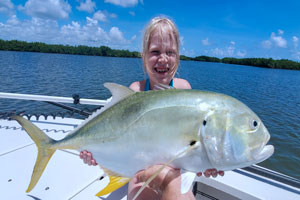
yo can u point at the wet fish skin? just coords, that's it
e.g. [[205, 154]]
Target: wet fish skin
[[146, 128]]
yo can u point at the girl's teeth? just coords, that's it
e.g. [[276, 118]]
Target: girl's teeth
[[161, 70]]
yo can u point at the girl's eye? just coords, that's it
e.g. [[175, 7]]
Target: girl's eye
[[155, 52], [170, 53]]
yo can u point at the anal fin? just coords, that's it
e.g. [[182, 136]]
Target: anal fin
[[115, 182]]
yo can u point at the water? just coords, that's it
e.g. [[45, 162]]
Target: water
[[271, 93]]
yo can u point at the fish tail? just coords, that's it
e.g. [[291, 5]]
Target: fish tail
[[43, 143]]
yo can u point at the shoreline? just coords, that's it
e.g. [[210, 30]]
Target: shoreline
[[39, 47]]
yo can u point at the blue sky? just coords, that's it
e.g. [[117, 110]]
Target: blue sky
[[257, 28]]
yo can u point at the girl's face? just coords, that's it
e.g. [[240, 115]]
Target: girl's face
[[161, 59]]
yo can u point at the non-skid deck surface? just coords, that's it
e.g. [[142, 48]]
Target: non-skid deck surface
[[65, 177]]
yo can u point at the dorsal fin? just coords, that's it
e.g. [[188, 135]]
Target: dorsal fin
[[119, 92]]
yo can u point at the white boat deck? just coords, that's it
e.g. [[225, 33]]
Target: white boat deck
[[67, 177]]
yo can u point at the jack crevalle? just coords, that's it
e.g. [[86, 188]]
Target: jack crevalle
[[188, 129]]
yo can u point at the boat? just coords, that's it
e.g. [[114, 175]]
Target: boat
[[67, 177]]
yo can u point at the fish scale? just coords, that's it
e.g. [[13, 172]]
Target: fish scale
[[198, 130]]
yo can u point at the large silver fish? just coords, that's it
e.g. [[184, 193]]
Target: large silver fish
[[190, 129]]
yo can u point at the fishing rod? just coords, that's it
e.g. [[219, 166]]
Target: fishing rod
[[57, 101], [73, 100]]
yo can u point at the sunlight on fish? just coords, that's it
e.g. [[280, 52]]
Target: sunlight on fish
[[201, 130]]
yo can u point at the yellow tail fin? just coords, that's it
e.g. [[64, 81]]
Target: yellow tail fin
[[115, 182], [43, 143]]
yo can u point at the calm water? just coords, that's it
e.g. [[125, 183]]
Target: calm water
[[273, 94]]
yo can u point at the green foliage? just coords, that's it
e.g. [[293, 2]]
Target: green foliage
[[206, 59], [264, 62], [182, 57], [15, 45]]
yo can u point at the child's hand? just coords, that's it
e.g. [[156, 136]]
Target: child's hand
[[211, 172], [88, 158]]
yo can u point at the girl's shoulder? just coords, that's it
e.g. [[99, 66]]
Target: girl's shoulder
[[138, 86], [180, 83]]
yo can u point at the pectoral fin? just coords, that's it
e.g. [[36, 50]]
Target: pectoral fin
[[187, 179], [191, 147], [115, 182]]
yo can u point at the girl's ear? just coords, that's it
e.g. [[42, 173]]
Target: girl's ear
[[143, 56]]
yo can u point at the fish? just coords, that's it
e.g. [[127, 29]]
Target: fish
[[191, 130]]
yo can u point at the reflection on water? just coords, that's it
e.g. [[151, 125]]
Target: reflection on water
[[273, 94]]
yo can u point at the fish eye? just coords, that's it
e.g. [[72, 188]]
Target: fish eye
[[204, 122], [253, 124]]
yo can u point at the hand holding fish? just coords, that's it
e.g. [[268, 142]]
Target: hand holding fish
[[166, 185], [88, 159]]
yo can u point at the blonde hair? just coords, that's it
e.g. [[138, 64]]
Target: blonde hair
[[161, 24]]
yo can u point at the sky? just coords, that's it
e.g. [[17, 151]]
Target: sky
[[219, 28]]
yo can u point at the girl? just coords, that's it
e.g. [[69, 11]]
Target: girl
[[160, 55]]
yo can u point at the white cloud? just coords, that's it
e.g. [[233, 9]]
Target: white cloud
[[205, 42], [7, 7], [13, 20], [280, 32], [133, 38], [123, 3], [218, 52], [241, 54], [47, 9], [89, 33], [278, 40], [181, 40], [116, 34], [295, 41], [296, 55], [132, 13], [267, 44], [103, 15], [112, 15], [190, 53], [88, 6], [29, 30], [91, 22], [229, 51], [100, 16]]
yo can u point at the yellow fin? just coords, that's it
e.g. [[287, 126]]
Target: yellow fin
[[115, 182], [43, 143]]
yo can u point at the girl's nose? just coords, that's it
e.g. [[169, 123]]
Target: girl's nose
[[163, 58]]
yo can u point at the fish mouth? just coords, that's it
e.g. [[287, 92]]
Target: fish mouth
[[265, 153]]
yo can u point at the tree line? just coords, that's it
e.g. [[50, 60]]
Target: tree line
[[15, 45], [257, 62]]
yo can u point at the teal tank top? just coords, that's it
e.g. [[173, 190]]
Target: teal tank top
[[147, 84]]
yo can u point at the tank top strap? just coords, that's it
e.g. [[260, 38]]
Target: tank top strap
[[171, 83], [147, 84]]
